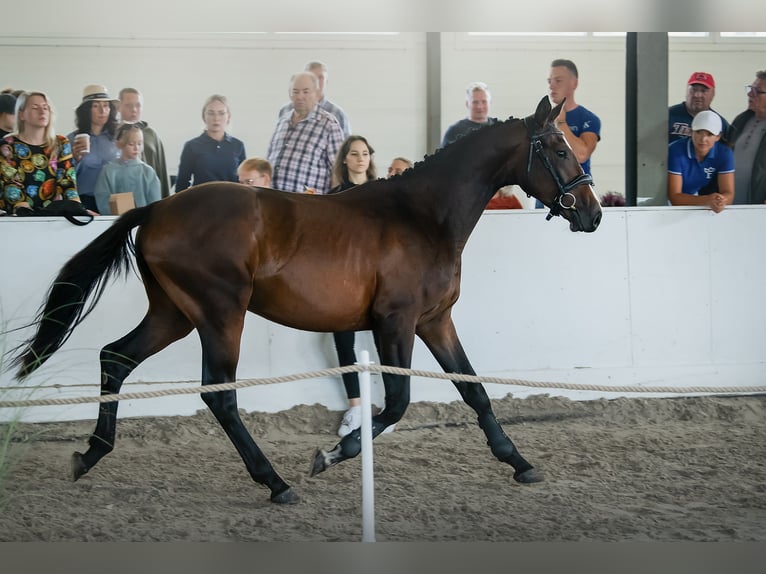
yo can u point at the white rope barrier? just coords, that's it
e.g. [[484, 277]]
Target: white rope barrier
[[371, 368]]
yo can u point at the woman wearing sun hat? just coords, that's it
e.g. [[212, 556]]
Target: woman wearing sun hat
[[96, 116], [694, 161]]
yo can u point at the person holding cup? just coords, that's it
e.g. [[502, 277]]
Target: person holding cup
[[82, 143], [96, 118], [35, 164]]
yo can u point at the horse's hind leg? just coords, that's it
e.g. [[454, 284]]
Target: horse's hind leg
[[162, 325], [442, 340], [220, 354]]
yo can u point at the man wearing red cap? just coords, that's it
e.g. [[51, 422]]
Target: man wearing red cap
[[700, 91]]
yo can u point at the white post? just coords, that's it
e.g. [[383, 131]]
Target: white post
[[368, 480]]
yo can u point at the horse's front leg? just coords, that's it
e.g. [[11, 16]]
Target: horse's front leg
[[441, 339], [394, 345]]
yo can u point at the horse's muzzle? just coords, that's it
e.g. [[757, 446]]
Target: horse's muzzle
[[587, 222]]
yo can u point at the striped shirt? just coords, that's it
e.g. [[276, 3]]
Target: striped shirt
[[302, 155]]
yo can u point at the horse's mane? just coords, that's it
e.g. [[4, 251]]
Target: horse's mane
[[437, 157]]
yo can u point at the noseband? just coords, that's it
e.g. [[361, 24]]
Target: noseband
[[565, 198]]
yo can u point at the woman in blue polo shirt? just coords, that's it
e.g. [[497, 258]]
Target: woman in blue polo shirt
[[693, 162]]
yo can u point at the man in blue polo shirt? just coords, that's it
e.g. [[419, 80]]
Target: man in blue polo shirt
[[695, 161]]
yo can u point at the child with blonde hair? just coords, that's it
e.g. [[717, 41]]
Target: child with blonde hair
[[128, 172]]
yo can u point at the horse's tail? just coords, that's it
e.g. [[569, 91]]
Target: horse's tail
[[89, 271]]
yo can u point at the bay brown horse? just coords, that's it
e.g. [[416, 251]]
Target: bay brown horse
[[384, 257]]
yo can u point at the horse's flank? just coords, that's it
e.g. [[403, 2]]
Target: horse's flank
[[314, 262]]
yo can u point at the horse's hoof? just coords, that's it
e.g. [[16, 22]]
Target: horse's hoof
[[529, 476], [320, 462], [286, 497], [78, 466]]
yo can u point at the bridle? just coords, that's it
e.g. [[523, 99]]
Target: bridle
[[565, 200]]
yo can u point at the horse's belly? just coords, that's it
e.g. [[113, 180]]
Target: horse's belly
[[322, 305]]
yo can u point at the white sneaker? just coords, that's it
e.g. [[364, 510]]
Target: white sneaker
[[352, 419]]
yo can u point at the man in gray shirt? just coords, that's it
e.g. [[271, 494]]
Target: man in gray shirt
[[749, 129], [477, 100]]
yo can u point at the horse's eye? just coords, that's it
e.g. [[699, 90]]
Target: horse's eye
[[562, 154]]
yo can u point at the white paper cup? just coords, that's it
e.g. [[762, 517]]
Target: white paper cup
[[83, 140]]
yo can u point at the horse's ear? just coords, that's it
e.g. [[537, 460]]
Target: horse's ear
[[556, 111], [544, 114], [541, 114]]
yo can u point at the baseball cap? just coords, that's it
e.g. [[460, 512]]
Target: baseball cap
[[7, 104], [707, 120], [701, 78]]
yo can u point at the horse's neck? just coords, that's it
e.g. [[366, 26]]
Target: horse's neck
[[462, 183]]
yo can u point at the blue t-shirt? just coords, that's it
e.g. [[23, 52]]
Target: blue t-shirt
[[697, 174], [581, 120]]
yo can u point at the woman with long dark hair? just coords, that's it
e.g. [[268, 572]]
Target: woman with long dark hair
[[353, 165], [96, 116]]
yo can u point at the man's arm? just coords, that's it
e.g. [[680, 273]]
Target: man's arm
[[583, 146]]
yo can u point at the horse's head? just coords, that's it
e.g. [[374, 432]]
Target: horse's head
[[553, 174]]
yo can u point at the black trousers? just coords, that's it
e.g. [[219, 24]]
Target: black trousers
[[344, 345]]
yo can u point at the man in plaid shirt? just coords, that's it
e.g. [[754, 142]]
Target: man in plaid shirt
[[305, 141], [319, 69]]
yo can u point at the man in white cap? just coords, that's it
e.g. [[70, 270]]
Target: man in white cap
[[695, 161]]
